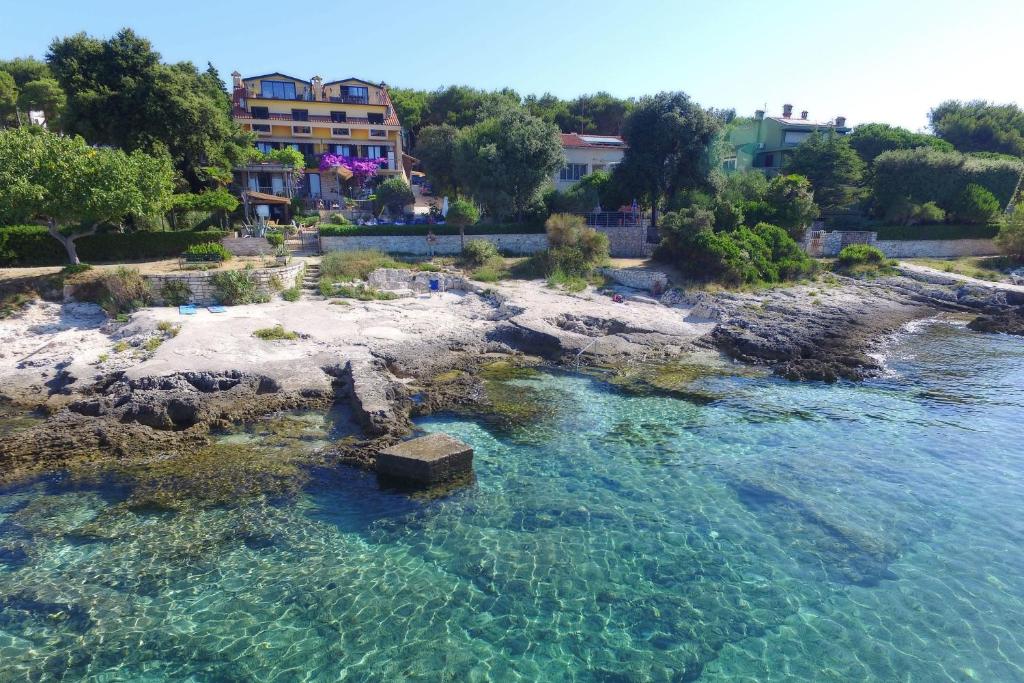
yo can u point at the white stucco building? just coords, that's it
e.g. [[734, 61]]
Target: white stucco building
[[585, 154]]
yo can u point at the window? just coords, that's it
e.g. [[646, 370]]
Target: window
[[355, 92], [375, 118], [280, 90], [260, 112], [338, 117], [266, 147], [300, 114], [795, 137], [261, 127], [301, 130], [375, 133], [375, 151], [573, 172], [340, 132], [729, 164], [764, 160]]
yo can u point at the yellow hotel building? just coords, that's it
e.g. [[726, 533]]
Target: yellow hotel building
[[350, 117]]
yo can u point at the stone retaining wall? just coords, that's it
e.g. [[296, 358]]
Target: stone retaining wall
[[638, 278], [445, 244], [205, 294], [831, 243], [247, 246], [628, 242], [937, 248]]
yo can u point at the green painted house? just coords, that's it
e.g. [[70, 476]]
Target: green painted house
[[764, 142]]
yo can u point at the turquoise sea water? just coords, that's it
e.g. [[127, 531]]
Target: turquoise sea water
[[779, 532]]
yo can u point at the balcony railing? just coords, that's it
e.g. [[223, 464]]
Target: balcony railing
[[311, 118], [373, 98]]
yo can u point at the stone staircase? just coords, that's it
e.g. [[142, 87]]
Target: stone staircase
[[311, 280]]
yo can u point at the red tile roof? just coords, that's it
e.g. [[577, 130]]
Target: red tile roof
[[592, 141]]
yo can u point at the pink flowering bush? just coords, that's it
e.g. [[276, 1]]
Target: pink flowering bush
[[362, 169]]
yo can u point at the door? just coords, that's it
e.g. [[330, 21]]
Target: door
[[277, 184], [314, 185]]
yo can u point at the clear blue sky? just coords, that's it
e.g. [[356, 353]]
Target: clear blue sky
[[871, 60]]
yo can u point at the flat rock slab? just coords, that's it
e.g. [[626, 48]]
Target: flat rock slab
[[426, 459]]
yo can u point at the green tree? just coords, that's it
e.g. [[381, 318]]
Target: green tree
[[461, 213], [43, 94], [394, 194], [792, 204], [411, 106], [504, 161], [975, 204], [833, 167], [74, 187], [8, 97], [600, 114], [1011, 234], [436, 152], [871, 139], [218, 201], [980, 126], [120, 94], [26, 69], [669, 137]]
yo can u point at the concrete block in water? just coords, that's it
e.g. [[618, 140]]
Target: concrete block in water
[[427, 459]]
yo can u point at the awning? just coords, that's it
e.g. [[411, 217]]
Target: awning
[[263, 198], [343, 172]]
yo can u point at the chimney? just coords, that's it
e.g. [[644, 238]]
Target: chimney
[[759, 115], [236, 80], [787, 111], [318, 87], [840, 122], [803, 115]]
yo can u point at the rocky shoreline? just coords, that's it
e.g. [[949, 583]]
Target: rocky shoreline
[[393, 361]]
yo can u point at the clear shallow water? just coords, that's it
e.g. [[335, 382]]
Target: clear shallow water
[[783, 532]]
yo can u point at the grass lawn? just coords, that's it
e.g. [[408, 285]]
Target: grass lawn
[[979, 267]]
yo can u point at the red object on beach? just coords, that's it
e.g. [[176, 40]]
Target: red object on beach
[[617, 298]]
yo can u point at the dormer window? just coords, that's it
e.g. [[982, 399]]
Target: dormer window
[[279, 90], [375, 118]]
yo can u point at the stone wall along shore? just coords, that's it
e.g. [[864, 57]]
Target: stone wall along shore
[[831, 243], [200, 282]]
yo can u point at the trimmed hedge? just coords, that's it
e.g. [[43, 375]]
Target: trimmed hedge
[[936, 232], [32, 245], [926, 175], [422, 230]]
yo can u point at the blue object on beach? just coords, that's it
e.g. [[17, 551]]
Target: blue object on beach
[[435, 285], [188, 309], [216, 309]]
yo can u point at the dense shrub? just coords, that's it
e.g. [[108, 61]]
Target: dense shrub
[[236, 287], [422, 230], [860, 254], [765, 253], [207, 251], [33, 245], [337, 219], [175, 293], [394, 194], [117, 291], [975, 205], [1011, 234], [478, 252], [275, 238], [926, 175], [566, 231]]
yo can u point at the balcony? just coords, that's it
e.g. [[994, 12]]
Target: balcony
[[311, 118], [372, 98]]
